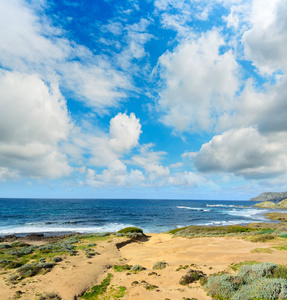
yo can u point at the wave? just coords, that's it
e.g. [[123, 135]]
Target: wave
[[55, 223], [247, 213], [225, 223], [111, 227], [193, 208], [224, 205]]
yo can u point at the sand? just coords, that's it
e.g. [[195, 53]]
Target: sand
[[75, 274]]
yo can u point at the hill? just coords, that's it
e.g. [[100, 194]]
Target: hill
[[270, 196]]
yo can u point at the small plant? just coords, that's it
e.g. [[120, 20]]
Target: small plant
[[122, 268], [137, 268], [150, 287], [159, 265], [50, 296], [191, 276], [98, 290], [181, 267]]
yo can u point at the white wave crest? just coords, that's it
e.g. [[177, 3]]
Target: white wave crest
[[193, 208]]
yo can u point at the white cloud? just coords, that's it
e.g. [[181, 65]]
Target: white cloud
[[244, 152], [30, 44], [136, 37], [265, 43], [124, 132], [33, 120], [102, 149], [115, 175], [199, 83]]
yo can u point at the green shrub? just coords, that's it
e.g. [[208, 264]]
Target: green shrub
[[137, 268], [150, 287], [222, 286], [263, 288], [263, 238], [5, 246], [159, 265], [249, 273], [265, 281], [191, 276], [50, 296], [122, 268], [130, 230], [33, 269], [19, 244]]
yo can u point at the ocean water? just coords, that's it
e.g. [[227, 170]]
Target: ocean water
[[58, 216]]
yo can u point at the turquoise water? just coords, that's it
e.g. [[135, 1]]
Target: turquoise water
[[55, 216]]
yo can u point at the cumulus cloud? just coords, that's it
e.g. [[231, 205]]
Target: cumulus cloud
[[98, 148], [33, 120], [200, 83], [124, 132], [244, 152], [266, 41]]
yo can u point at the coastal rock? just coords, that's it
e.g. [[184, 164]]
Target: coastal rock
[[277, 216], [283, 203], [269, 204], [266, 204], [270, 197]]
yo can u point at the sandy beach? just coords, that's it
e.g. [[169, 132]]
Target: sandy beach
[[71, 277]]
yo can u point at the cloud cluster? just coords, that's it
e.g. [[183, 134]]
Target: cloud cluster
[[33, 120], [200, 83], [30, 44], [254, 143], [244, 152]]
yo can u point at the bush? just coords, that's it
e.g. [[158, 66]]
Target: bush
[[261, 281], [122, 268], [263, 238], [50, 296], [191, 276], [264, 288], [159, 265], [223, 286], [249, 273], [137, 268], [130, 230], [5, 246]]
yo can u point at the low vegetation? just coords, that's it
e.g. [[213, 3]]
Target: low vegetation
[[97, 290], [104, 290], [159, 265], [205, 231], [266, 281], [131, 232], [191, 276]]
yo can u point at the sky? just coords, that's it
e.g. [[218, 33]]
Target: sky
[[163, 99]]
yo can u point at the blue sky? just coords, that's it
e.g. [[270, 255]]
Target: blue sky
[[166, 99]]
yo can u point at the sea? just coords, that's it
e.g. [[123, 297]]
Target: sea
[[65, 216]]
